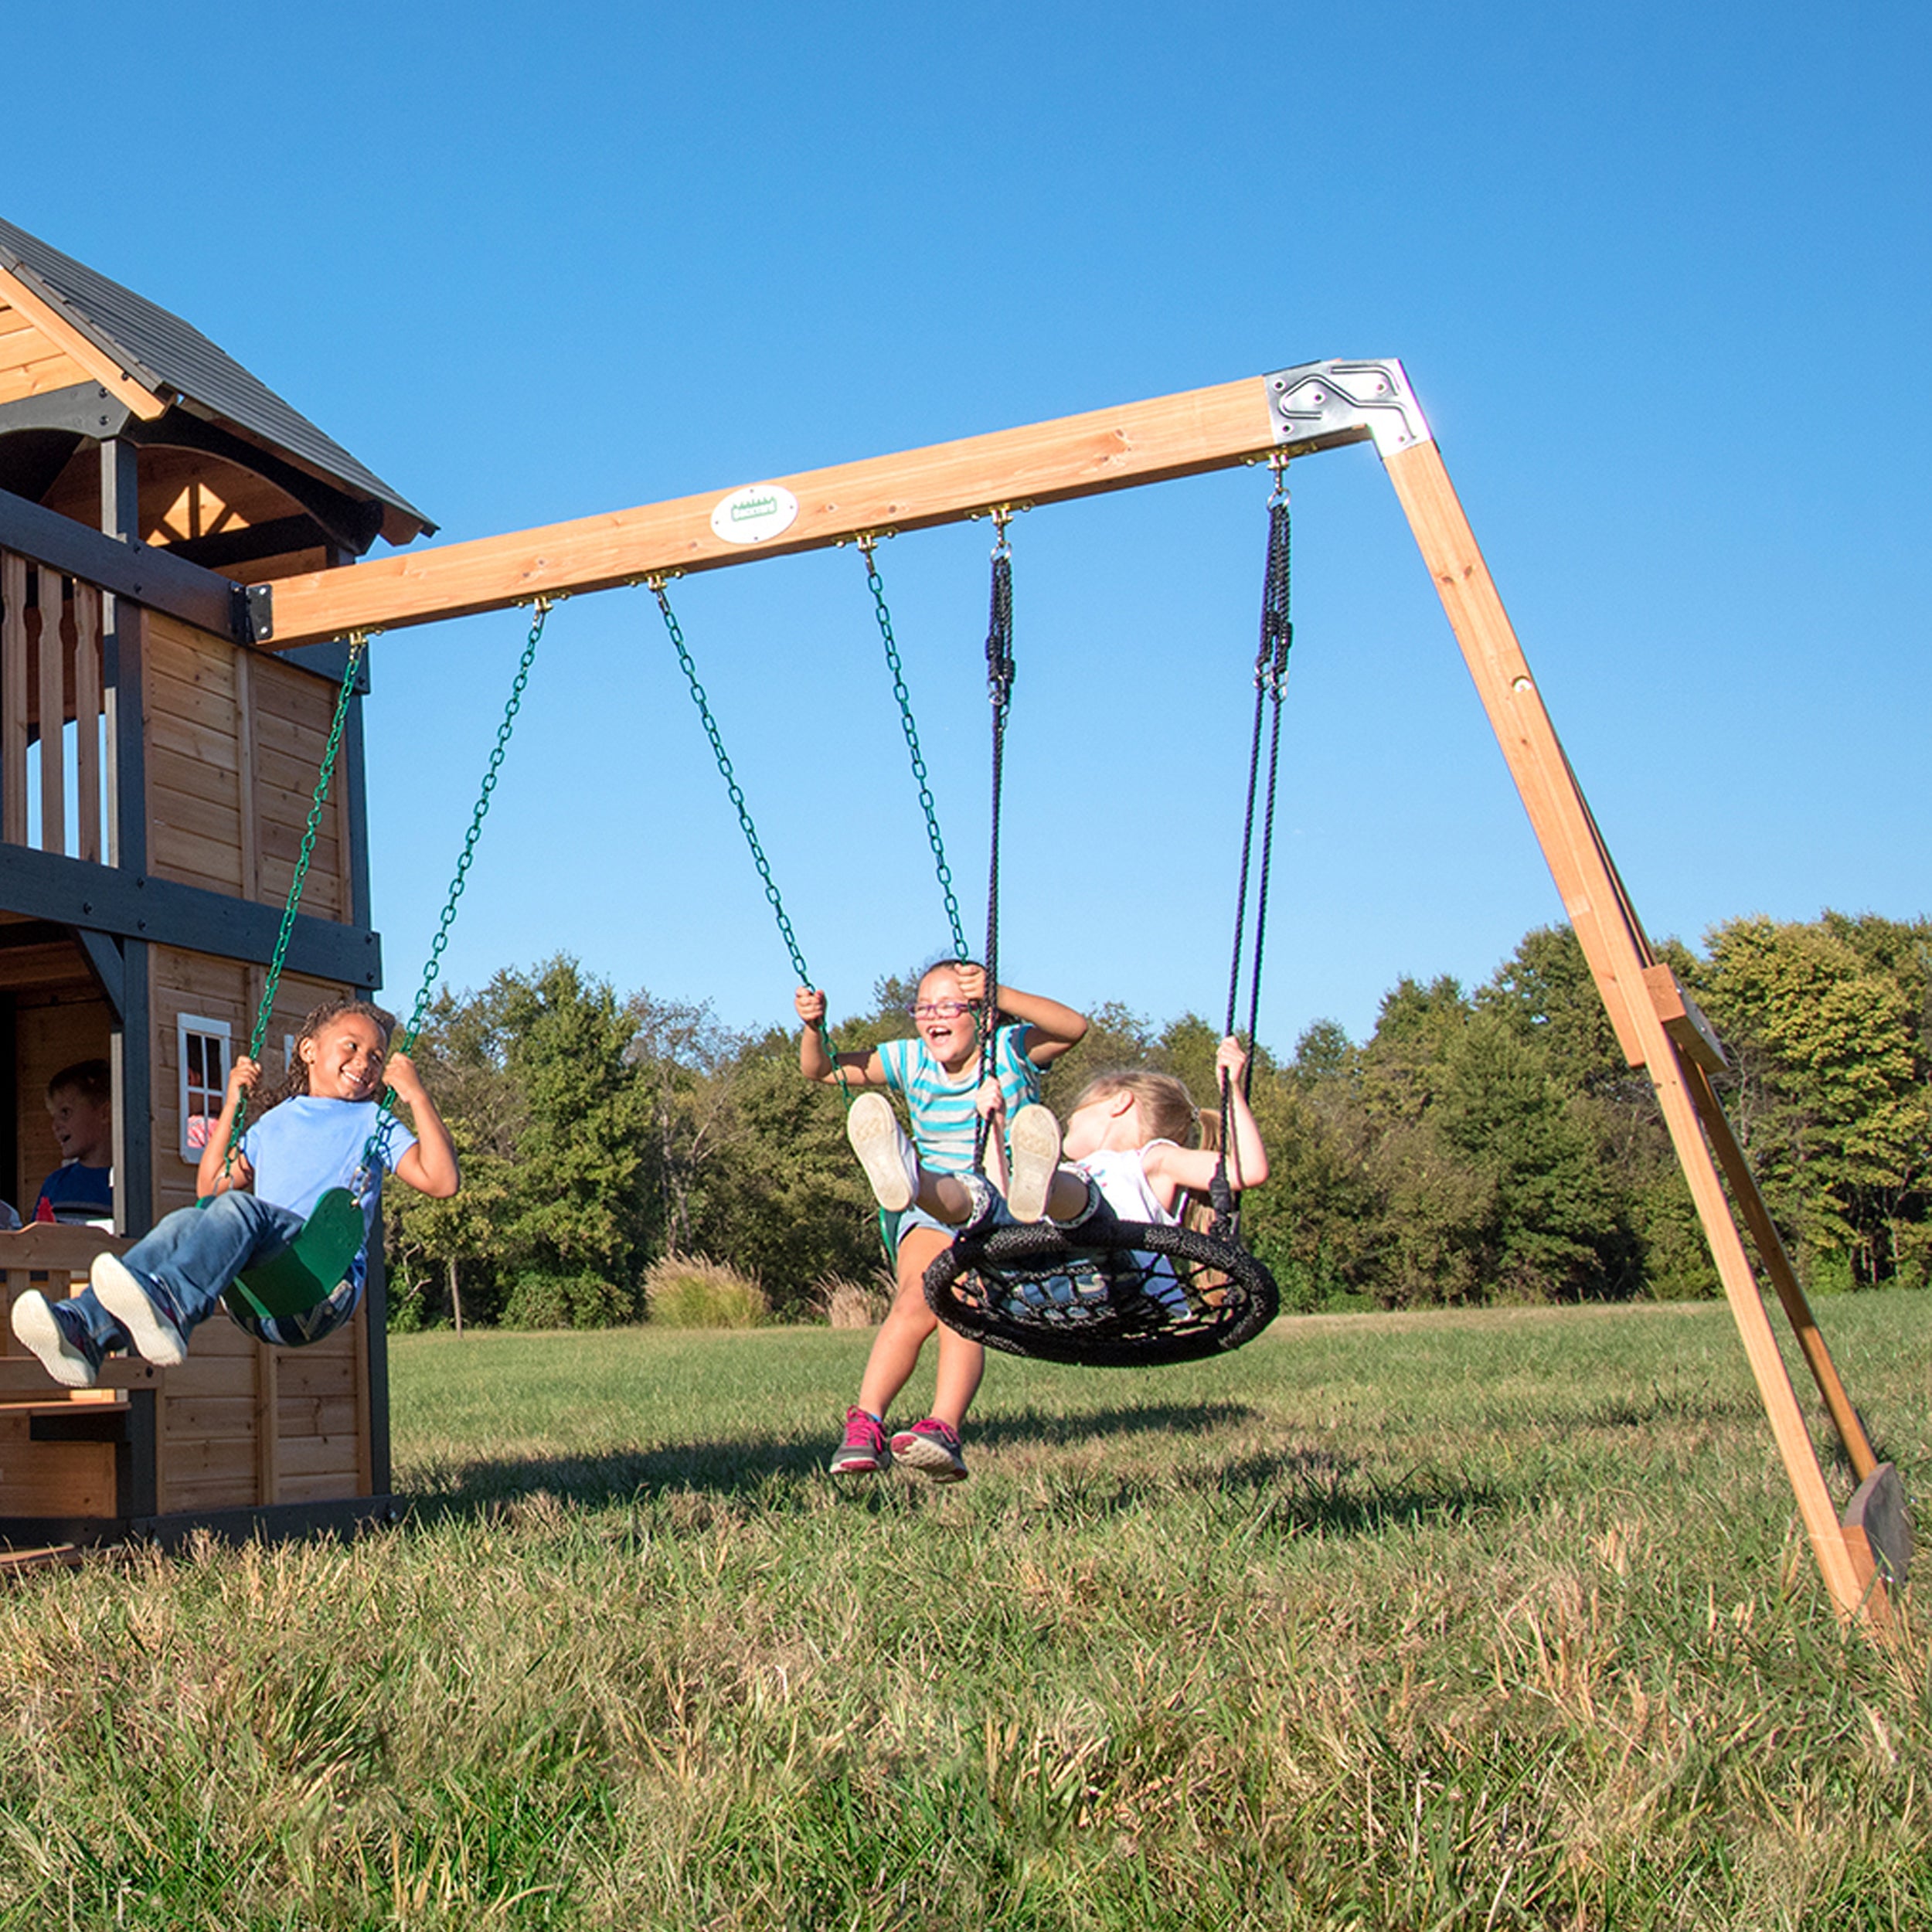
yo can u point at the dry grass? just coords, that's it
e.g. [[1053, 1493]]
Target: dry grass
[[693, 1291], [847, 1304]]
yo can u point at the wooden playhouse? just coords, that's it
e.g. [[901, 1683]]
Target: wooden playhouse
[[156, 770]]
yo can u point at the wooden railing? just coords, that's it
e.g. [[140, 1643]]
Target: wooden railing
[[50, 678]]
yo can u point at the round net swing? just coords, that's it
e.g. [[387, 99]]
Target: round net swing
[[1102, 1292]]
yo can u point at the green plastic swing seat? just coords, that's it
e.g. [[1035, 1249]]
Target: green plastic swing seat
[[309, 1269]]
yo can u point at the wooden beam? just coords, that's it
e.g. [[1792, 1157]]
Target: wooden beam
[[87, 688], [1075, 456], [1617, 953], [1592, 895], [20, 292], [1776, 1263], [140, 572]]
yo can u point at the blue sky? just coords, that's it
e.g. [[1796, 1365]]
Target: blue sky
[[1659, 275]]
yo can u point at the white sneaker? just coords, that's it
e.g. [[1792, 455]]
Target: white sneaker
[[883, 1151], [57, 1339], [135, 1305], [1034, 1139]]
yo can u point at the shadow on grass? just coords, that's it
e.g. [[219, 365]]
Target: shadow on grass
[[1290, 1493], [748, 1464]]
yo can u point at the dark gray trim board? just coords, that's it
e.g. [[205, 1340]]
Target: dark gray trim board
[[137, 571], [102, 898]]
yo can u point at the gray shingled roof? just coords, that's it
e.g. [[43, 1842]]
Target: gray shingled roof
[[162, 352]]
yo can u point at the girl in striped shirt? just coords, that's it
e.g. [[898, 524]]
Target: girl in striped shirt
[[941, 1073]]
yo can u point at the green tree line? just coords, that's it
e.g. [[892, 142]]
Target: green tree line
[[1480, 1145]]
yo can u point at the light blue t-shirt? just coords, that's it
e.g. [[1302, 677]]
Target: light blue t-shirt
[[307, 1145], [945, 1121]]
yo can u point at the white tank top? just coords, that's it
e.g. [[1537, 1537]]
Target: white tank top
[[1120, 1175]]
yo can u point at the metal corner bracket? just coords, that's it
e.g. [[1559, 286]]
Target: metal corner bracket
[[1320, 405]]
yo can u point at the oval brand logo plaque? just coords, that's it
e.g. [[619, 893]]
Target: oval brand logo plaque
[[754, 513]]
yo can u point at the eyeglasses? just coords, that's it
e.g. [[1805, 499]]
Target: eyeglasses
[[939, 1009]]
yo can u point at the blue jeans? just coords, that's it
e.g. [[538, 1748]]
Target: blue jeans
[[192, 1254]]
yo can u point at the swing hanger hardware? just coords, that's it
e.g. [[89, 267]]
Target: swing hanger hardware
[[655, 581], [1001, 517], [1003, 514], [868, 541]]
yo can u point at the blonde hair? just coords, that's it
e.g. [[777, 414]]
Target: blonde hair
[[1166, 1108]]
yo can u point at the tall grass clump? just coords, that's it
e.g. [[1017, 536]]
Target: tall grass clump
[[845, 1303], [693, 1291]]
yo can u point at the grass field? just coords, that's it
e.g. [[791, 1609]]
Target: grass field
[[1475, 1621]]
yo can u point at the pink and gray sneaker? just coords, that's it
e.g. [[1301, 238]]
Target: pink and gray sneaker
[[863, 1452], [932, 1449]]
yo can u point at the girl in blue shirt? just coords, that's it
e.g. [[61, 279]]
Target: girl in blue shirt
[[310, 1136]]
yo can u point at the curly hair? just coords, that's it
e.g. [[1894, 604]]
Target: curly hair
[[296, 1080]]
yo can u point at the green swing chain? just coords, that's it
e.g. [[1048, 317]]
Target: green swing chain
[[867, 543], [675, 631], [358, 646], [431, 971]]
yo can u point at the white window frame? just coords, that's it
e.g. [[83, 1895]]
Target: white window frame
[[195, 1096]]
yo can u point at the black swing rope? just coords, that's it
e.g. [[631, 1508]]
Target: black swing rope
[[1271, 684], [1000, 668], [1102, 1292]]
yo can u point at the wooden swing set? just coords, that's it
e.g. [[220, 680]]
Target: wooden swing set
[[1863, 1551]]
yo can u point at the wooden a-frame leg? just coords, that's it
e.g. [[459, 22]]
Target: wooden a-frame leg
[[1778, 1264], [1613, 944]]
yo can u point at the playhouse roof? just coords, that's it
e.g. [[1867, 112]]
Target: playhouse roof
[[174, 364]]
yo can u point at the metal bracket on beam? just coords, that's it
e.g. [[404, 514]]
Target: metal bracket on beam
[[255, 613], [1321, 406], [82, 409]]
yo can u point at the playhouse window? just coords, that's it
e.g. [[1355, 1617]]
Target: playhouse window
[[204, 1078]]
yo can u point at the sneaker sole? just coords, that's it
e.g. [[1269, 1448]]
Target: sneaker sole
[[873, 1130], [33, 1323], [1035, 1139], [868, 1468], [120, 1292], [931, 1459]]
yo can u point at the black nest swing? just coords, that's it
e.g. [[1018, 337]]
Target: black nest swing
[[1105, 1293]]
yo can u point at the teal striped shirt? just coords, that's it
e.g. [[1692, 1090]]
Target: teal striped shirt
[[944, 1120]]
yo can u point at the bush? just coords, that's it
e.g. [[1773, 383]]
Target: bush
[[540, 1300], [847, 1304], [692, 1291]]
